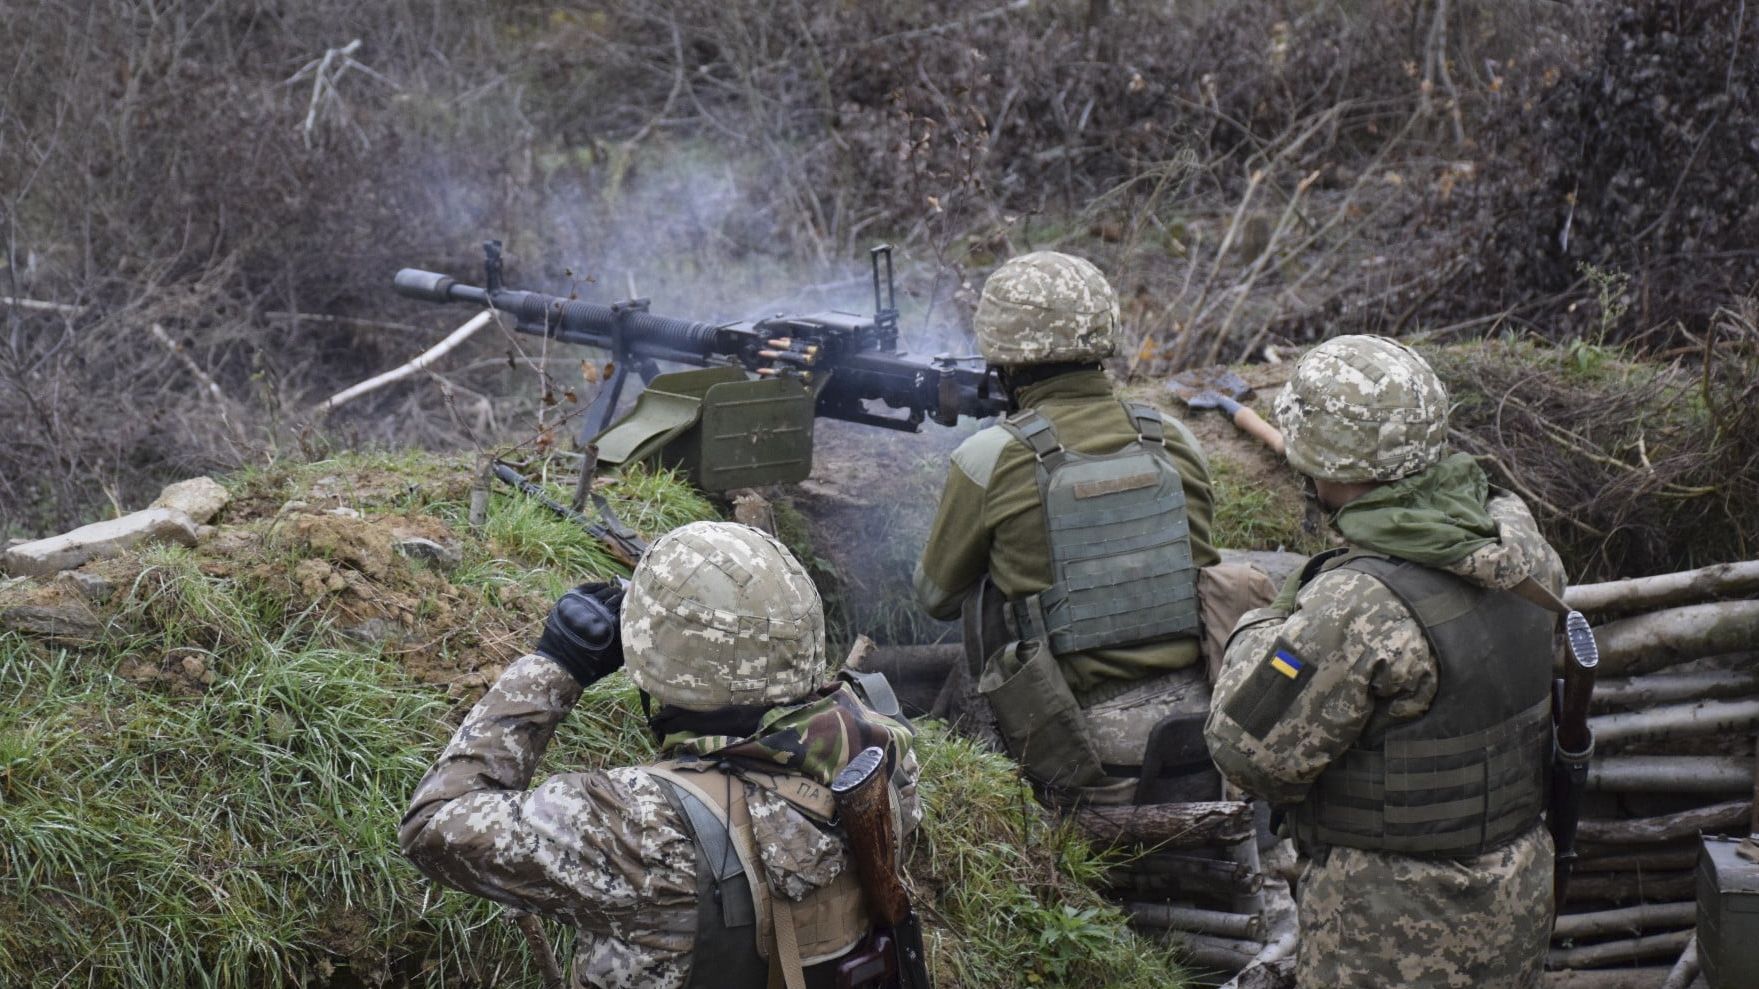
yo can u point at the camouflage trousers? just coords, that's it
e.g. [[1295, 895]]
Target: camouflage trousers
[[1379, 920]]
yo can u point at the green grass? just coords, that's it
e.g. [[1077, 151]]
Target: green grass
[[1252, 515], [208, 795], [1013, 888]]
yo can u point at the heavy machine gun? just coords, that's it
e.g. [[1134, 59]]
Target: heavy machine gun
[[746, 418]]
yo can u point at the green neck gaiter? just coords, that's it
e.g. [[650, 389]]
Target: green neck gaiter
[[1432, 518]]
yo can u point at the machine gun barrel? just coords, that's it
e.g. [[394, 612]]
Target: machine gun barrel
[[572, 321]]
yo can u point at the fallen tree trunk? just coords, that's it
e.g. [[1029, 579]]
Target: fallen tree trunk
[[1676, 721], [1626, 920], [1608, 887], [1166, 825], [1645, 643], [1220, 953], [1667, 827], [1671, 774], [1637, 862], [1666, 590], [1181, 917], [1673, 688], [1647, 977], [1614, 952], [1153, 874]]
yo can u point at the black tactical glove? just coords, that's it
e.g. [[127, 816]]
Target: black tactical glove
[[581, 632]]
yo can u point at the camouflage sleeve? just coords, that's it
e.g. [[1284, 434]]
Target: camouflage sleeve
[[1295, 692], [1520, 550], [957, 551], [601, 850], [1199, 492]]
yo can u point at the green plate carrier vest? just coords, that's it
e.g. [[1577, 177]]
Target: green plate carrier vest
[[1467, 775], [1120, 544]]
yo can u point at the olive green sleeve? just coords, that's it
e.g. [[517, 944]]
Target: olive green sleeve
[[1199, 492], [957, 552]]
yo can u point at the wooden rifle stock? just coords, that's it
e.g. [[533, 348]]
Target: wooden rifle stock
[[864, 810]]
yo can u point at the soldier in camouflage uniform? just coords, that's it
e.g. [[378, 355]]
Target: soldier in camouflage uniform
[[1393, 699], [1095, 595], [720, 863]]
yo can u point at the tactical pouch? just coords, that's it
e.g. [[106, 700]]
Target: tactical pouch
[[1040, 722]]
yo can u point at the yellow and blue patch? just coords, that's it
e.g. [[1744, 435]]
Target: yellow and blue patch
[[1287, 663], [1260, 703]]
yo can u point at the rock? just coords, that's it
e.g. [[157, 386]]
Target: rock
[[753, 509], [100, 540], [343, 512], [91, 586], [427, 550], [200, 498], [373, 631], [68, 619]]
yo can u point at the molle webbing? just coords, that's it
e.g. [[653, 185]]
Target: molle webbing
[[1468, 775], [1120, 544]]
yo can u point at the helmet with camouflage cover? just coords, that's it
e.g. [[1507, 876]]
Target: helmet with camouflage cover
[[720, 614], [1362, 408], [1043, 308]]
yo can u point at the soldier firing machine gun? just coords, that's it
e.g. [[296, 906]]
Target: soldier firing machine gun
[[745, 418]]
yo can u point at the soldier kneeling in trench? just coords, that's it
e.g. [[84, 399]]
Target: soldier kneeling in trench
[[1075, 537], [692, 871]]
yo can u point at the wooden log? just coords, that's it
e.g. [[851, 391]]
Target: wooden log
[[1686, 969], [1626, 920], [1673, 688], [1677, 721], [1166, 825], [1667, 827], [1221, 887], [1645, 643], [1666, 590], [1647, 977], [1220, 953], [1274, 966], [1614, 952], [1611, 887], [1663, 861], [1671, 774], [1183, 917]]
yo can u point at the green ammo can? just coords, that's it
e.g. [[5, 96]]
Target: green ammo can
[[1728, 912]]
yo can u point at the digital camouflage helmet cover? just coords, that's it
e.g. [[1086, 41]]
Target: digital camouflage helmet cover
[[1362, 408], [1046, 307], [720, 614]]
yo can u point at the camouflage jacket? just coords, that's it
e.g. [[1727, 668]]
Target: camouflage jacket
[[1374, 918], [602, 850], [990, 519]]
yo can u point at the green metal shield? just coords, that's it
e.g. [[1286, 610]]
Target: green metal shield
[[720, 427]]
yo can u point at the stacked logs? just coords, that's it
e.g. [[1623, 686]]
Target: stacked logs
[[1673, 718]]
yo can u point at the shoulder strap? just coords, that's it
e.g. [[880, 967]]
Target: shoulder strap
[[875, 691], [1150, 427], [778, 940], [1034, 429]]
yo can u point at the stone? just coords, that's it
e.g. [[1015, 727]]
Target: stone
[[429, 551], [200, 498], [100, 540], [93, 587], [67, 620]]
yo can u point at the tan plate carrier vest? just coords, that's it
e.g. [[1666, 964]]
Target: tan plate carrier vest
[[751, 935], [1467, 775], [1120, 543]]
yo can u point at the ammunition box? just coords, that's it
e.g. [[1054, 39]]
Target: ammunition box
[[1728, 915]]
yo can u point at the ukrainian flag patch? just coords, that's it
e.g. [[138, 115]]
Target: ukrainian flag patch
[[1260, 703], [1287, 663]]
